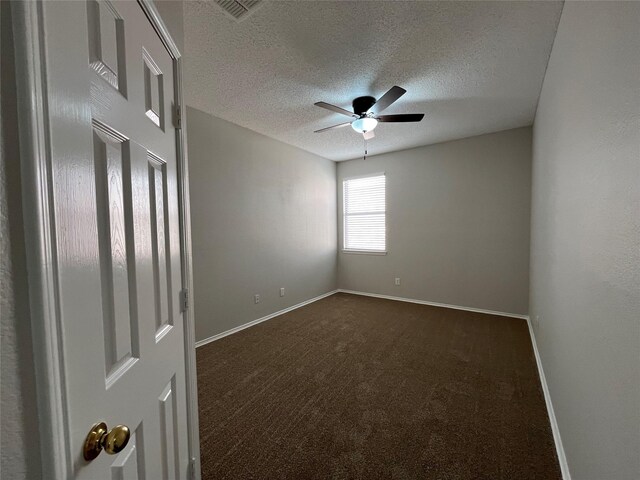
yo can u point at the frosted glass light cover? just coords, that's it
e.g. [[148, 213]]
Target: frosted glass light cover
[[365, 124]]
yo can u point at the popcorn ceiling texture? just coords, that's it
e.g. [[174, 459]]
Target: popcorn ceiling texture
[[471, 67]]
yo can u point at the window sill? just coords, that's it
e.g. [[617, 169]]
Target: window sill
[[365, 252]]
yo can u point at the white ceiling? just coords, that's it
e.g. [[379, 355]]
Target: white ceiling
[[471, 67]]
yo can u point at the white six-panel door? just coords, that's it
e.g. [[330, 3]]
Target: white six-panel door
[[110, 87]]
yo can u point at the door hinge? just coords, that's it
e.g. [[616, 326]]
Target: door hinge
[[177, 115], [192, 468], [184, 300]]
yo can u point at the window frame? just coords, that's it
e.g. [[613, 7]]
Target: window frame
[[344, 217]]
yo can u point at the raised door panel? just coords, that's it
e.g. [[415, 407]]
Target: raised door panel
[[153, 90], [116, 251], [161, 244], [107, 43], [169, 431]]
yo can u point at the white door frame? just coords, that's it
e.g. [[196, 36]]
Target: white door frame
[[35, 164]]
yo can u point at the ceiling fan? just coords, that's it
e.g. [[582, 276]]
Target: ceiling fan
[[366, 113]]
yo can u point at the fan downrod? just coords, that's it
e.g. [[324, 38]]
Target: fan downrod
[[362, 104]]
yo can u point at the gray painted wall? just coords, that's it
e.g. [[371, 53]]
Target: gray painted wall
[[585, 251], [457, 223], [263, 216]]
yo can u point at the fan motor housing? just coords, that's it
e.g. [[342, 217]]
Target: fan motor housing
[[362, 104]]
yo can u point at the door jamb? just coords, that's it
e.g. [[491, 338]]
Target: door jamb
[[40, 244], [35, 166]]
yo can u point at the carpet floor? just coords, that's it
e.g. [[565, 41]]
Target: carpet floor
[[353, 387]]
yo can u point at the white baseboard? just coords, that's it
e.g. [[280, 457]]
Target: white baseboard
[[435, 304], [562, 459], [200, 343]]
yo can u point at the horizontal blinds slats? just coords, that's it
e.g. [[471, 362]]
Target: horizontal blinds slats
[[365, 232], [364, 195], [364, 213]]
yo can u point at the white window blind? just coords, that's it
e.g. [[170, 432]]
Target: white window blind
[[364, 210]]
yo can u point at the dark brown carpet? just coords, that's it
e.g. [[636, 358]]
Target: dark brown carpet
[[353, 387]]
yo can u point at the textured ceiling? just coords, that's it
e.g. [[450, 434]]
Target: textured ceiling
[[471, 67]]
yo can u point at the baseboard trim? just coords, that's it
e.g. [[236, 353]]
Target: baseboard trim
[[562, 459], [226, 333], [435, 304]]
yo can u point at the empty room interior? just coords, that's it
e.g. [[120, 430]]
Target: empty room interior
[[255, 239]]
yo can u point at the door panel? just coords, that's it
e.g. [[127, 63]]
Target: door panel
[[106, 43], [114, 216], [115, 198], [160, 243], [169, 430], [153, 90]]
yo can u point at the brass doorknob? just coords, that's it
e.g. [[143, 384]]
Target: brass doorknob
[[99, 438]]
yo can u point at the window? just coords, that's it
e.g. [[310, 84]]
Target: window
[[364, 209]]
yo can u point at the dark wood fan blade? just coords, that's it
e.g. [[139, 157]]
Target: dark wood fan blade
[[340, 125], [406, 117], [333, 108], [387, 99]]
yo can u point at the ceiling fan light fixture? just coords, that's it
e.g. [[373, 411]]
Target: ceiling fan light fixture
[[364, 124], [366, 111]]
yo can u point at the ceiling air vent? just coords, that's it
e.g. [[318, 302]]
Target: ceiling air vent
[[239, 9]]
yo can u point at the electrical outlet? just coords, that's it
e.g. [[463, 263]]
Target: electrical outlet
[[282, 292], [256, 298], [397, 281]]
